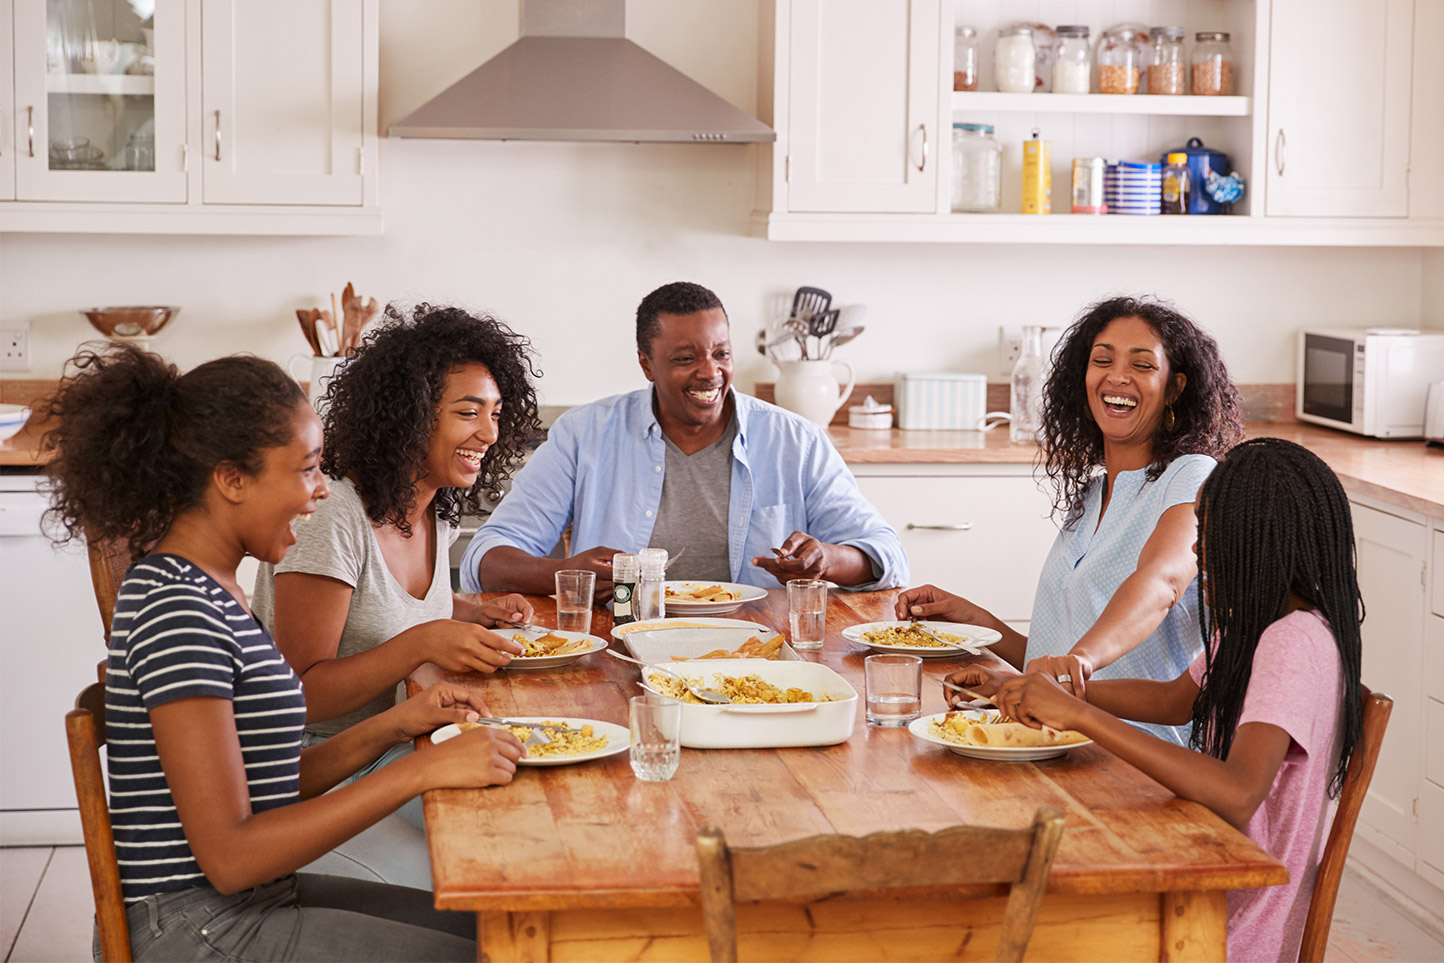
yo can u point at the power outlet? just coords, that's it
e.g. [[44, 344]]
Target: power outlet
[[1010, 346], [15, 347]]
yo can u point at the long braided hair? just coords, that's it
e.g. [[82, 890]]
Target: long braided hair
[[1272, 520]]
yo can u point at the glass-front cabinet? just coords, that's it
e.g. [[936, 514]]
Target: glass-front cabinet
[[100, 100]]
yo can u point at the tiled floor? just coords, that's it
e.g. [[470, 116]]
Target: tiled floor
[[46, 913]]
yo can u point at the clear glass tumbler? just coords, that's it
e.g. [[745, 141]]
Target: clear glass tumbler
[[574, 600], [894, 686], [656, 725], [806, 612]]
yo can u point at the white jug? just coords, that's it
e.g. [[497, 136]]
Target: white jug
[[322, 370], [811, 389]]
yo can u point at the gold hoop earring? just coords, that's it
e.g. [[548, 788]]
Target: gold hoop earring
[[1168, 419]]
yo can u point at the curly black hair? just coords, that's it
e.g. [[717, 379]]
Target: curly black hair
[[1206, 414], [136, 441], [382, 406], [679, 297]]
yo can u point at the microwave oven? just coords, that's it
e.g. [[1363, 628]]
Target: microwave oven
[[1371, 381]]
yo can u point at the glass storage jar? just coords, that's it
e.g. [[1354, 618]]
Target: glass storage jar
[[977, 169], [1072, 71], [1167, 73], [1013, 60], [1212, 64], [1119, 64], [965, 59]]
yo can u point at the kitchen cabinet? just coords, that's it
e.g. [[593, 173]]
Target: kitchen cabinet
[[7, 109], [1338, 107], [208, 116]]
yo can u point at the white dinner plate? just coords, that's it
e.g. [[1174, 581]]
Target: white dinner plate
[[620, 632], [550, 661], [975, 638], [746, 593], [919, 728], [618, 739]]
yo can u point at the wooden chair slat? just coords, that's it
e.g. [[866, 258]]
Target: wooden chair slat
[[109, 560]]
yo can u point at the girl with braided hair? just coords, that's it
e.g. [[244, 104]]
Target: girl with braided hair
[[1274, 698]]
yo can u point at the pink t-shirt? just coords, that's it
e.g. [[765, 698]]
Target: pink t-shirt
[[1295, 685]]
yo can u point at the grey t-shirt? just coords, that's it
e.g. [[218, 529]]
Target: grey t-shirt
[[693, 513], [338, 542]]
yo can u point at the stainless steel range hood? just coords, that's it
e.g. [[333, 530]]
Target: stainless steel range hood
[[575, 76]]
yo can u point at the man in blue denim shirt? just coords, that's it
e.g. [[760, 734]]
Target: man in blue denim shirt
[[686, 464]]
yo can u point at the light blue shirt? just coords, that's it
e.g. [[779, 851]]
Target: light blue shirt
[[601, 468], [1089, 561]]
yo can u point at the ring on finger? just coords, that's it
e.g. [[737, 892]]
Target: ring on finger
[[1065, 677]]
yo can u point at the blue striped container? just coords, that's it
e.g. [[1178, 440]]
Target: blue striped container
[[940, 401]]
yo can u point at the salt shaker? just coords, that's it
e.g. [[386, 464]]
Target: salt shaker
[[650, 600]]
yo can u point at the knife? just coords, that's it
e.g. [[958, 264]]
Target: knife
[[522, 725]]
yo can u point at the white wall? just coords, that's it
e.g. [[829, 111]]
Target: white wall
[[562, 240]]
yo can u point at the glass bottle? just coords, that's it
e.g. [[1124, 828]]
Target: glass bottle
[[1212, 64], [1119, 61], [1166, 71], [977, 169], [1176, 186], [650, 600], [625, 569], [1014, 59], [1072, 71], [965, 58], [1027, 388]]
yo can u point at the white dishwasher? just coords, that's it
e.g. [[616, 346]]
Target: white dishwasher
[[50, 642]]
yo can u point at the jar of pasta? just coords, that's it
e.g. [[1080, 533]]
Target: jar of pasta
[[1167, 72], [1013, 60], [1119, 64], [1073, 70], [1212, 65]]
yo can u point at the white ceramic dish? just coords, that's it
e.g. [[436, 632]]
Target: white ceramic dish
[[919, 728], [663, 645], [977, 638], [12, 419], [769, 726], [621, 632], [683, 607], [618, 739], [552, 661]]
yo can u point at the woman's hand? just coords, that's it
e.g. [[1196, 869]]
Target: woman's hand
[[433, 707], [931, 602], [484, 756], [508, 608], [461, 646], [1072, 671], [1037, 700], [978, 677]]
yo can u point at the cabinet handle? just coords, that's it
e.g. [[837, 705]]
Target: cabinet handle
[[959, 527], [1279, 144], [30, 129], [218, 135], [924, 162]]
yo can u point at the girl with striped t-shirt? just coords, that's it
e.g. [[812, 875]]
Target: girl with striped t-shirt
[[214, 802]]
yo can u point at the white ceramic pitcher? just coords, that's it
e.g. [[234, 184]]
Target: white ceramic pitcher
[[811, 388], [322, 370]]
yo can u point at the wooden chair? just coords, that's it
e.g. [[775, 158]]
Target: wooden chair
[[109, 560], [1336, 849], [85, 732], [824, 865]]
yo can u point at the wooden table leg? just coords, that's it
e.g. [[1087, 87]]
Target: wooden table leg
[[513, 937], [1194, 925]]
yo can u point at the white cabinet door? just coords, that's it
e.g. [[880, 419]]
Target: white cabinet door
[[282, 92], [8, 138], [983, 537], [1338, 108], [1391, 554], [863, 87]]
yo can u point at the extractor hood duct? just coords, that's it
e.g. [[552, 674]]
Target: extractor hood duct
[[575, 76]]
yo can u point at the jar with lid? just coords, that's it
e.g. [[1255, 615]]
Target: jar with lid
[[1119, 64], [1212, 64], [1166, 71], [965, 58], [977, 169], [650, 601], [1072, 71], [1176, 186], [625, 570], [1013, 60]]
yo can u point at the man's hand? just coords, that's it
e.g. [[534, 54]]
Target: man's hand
[[802, 556], [597, 560]]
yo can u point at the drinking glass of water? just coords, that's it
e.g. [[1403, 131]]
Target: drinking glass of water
[[656, 736], [894, 686], [806, 612], [574, 600]]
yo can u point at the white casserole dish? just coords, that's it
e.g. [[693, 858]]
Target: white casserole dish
[[688, 642], [767, 726]]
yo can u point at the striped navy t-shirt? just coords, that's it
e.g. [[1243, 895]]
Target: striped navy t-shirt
[[178, 634]]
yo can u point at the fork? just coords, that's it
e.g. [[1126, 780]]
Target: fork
[[709, 696], [673, 560], [915, 624]]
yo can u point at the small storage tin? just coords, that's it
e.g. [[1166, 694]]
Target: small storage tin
[[940, 401]]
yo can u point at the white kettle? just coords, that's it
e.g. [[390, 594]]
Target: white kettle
[[811, 388]]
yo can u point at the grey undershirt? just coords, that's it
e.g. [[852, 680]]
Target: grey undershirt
[[696, 490]]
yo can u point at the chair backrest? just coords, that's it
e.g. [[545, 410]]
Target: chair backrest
[[85, 732], [1336, 849], [823, 865], [109, 560]]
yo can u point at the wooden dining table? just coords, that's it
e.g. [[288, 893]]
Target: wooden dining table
[[587, 862]]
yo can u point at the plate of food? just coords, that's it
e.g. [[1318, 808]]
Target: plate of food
[[621, 632], [549, 648], [984, 734], [685, 643], [596, 740], [906, 637], [710, 598]]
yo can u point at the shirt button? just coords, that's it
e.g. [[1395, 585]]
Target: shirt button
[[659, 468], [649, 513]]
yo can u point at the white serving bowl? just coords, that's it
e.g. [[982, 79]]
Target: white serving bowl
[[12, 419]]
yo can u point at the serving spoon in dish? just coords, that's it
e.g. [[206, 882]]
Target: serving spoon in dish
[[709, 696]]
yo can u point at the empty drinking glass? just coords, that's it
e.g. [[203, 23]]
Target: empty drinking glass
[[656, 724], [894, 689], [574, 600], [806, 612]]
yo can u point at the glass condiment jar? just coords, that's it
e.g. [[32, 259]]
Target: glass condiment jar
[[1212, 64], [977, 169], [626, 569], [1167, 71], [1073, 70], [1013, 60], [1176, 184], [1120, 61], [965, 58]]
